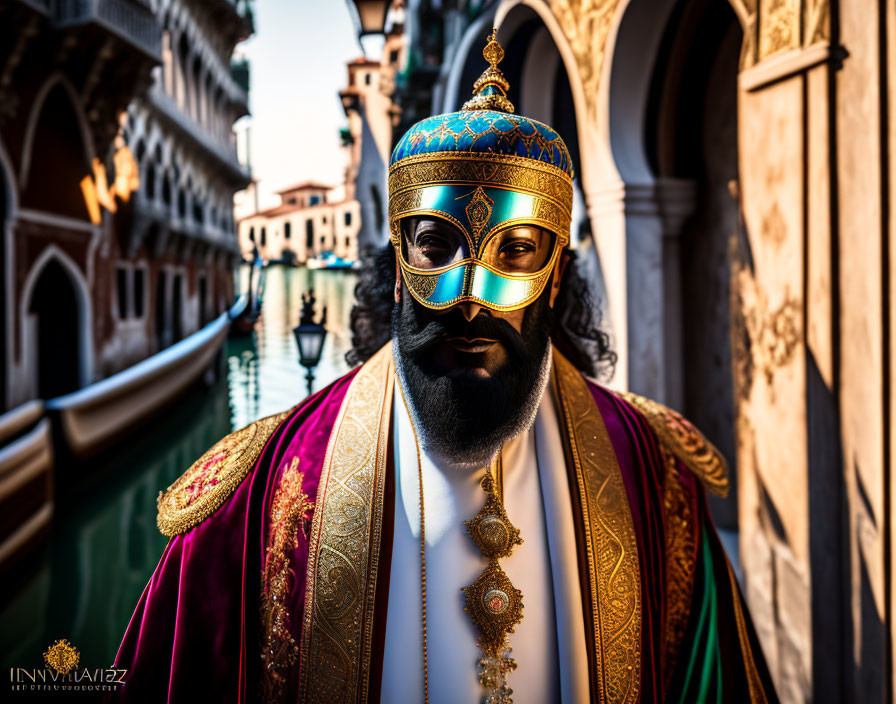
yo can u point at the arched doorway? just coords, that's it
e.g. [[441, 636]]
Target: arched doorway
[[177, 308], [160, 311], [58, 159], [691, 145], [57, 326]]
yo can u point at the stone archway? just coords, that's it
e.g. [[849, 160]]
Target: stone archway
[[690, 143], [56, 328], [57, 154], [723, 197]]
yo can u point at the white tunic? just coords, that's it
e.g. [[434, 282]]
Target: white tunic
[[548, 644]]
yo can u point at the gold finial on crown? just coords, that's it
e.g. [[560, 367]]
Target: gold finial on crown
[[490, 89]]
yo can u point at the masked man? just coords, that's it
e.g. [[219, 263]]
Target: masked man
[[465, 517]]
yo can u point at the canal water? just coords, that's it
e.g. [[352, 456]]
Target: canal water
[[84, 583]]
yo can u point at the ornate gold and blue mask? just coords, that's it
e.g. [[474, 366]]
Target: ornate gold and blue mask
[[480, 201]]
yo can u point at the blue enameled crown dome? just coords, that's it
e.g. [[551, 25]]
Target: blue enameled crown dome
[[486, 124]]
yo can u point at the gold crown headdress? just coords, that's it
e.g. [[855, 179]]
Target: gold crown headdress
[[482, 171]]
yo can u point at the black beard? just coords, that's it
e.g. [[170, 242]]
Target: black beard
[[462, 418]]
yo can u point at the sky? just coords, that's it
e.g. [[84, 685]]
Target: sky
[[297, 67]]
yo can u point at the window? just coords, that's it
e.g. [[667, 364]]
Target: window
[[251, 234], [348, 241], [150, 181], [139, 291], [291, 201], [160, 309], [314, 200], [121, 274], [177, 308], [203, 300], [264, 236], [324, 219], [393, 56], [367, 78], [348, 218], [309, 234], [287, 230]]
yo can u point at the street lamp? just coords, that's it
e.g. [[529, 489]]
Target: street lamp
[[310, 336], [372, 15]]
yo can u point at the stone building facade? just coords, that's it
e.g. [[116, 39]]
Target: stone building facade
[[307, 223], [117, 169], [735, 172], [182, 231]]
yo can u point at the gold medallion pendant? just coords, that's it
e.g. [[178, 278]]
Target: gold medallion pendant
[[492, 602]]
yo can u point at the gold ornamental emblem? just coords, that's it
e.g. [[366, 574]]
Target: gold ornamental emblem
[[62, 656]]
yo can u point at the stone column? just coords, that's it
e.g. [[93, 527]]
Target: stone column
[[636, 228]]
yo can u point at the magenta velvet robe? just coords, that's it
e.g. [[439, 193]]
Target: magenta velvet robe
[[195, 633]]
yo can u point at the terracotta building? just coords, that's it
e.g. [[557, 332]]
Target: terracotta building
[[304, 225], [735, 168], [311, 218]]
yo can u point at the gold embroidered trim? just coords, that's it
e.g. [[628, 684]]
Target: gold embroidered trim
[[513, 172], [610, 542], [345, 539], [207, 484], [681, 561], [754, 681], [685, 441], [279, 650]]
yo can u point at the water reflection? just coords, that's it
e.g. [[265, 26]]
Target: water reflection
[[265, 376], [104, 544]]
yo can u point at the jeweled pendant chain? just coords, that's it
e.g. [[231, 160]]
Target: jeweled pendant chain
[[493, 603]]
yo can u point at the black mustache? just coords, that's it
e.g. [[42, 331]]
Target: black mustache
[[454, 325]]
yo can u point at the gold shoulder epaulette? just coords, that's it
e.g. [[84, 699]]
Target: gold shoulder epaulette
[[687, 443], [201, 490]]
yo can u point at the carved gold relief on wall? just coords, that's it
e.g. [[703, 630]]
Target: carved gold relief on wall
[[764, 339], [779, 26], [770, 28], [586, 25]]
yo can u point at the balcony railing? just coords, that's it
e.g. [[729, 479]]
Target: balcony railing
[[226, 155], [132, 20]]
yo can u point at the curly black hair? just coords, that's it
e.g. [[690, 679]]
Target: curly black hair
[[577, 333]]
